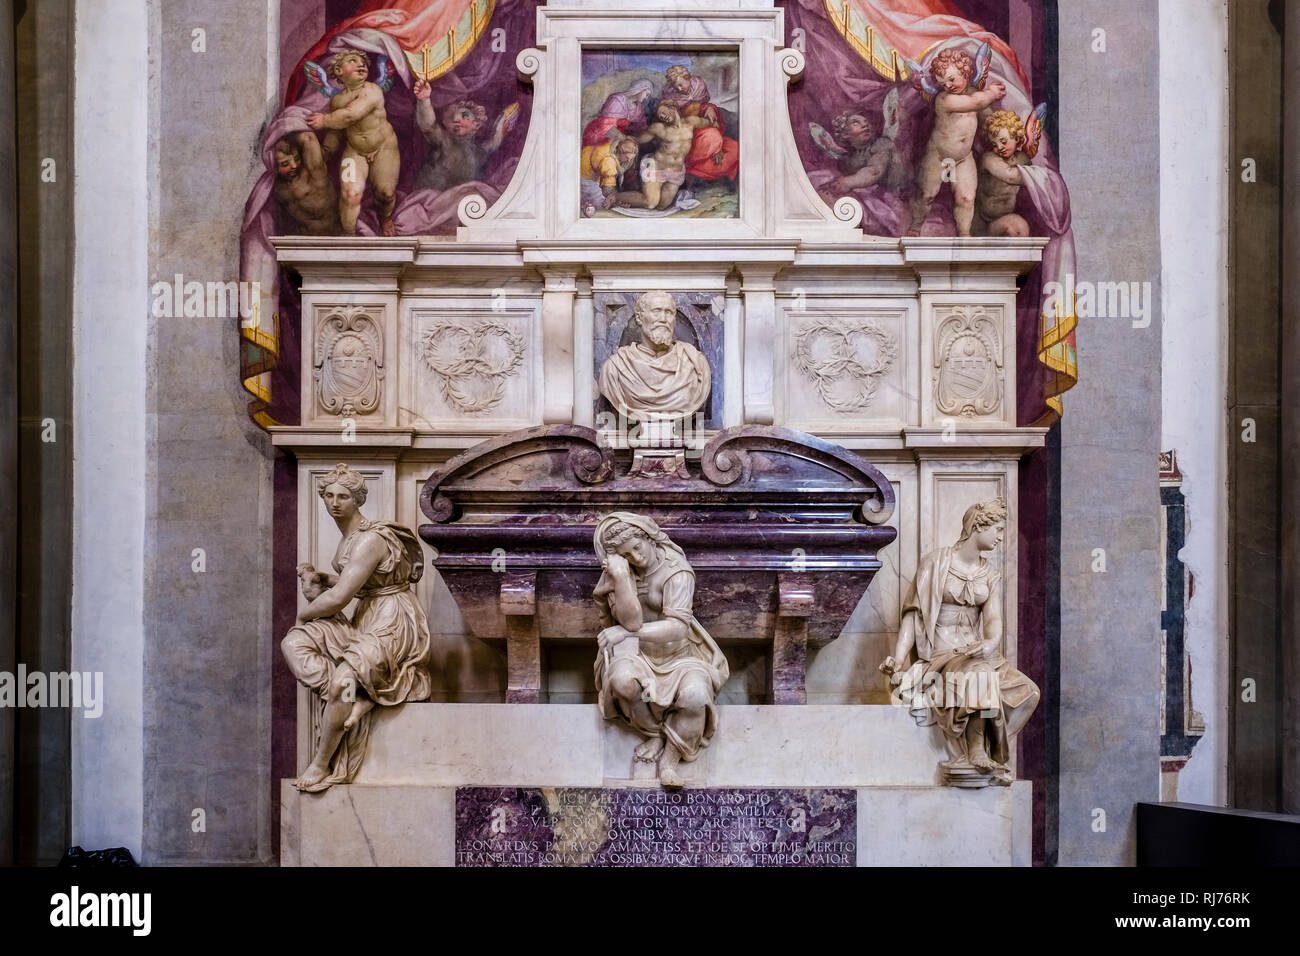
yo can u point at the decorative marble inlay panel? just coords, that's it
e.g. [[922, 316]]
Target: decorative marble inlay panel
[[968, 362], [844, 359], [473, 359], [470, 368], [348, 363]]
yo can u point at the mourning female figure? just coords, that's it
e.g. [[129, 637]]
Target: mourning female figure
[[380, 656], [622, 114], [656, 668], [960, 680]]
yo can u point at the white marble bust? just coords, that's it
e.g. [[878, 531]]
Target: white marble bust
[[659, 377]]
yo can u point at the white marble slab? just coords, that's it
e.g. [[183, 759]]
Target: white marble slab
[[945, 826], [569, 745]]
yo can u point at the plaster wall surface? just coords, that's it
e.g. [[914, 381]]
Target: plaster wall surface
[[110, 493], [207, 633], [1194, 348]]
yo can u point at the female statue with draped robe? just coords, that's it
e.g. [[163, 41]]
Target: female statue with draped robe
[[380, 656], [657, 668], [952, 633]]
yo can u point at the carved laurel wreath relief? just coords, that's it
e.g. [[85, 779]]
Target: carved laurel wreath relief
[[845, 359], [473, 359], [968, 357], [349, 362]]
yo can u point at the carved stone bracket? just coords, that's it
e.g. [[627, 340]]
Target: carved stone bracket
[[523, 647], [586, 462], [727, 458], [796, 598]]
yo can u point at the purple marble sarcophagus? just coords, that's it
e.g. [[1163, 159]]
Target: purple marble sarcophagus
[[781, 528]]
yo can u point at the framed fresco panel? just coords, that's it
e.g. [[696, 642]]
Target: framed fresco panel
[[660, 134]]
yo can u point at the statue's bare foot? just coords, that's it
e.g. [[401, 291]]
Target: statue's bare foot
[[649, 750], [983, 763], [670, 779], [388, 227], [1001, 778], [914, 231], [312, 777], [360, 707]]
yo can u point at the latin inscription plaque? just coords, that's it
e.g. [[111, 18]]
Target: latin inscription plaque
[[514, 826]]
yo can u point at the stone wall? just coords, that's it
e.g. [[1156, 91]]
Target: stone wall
[[1110, 620], [1194, 249], [207, 643]]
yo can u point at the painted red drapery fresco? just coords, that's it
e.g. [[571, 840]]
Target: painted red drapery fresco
[[449, 28]]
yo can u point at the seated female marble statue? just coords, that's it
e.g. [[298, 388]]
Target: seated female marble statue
[[960, 679], [657, 668], [381, 655]]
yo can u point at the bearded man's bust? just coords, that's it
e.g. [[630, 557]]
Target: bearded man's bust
[[659, 377]]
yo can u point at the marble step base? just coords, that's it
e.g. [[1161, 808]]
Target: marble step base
[[401, 809]]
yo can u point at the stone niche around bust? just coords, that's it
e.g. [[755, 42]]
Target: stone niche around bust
[[700, 322]]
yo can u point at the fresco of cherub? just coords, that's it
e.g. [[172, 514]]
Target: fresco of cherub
[[457, 156], [869, 165], [864, 153], [1012, 143], [371, 154], [955, 84]]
